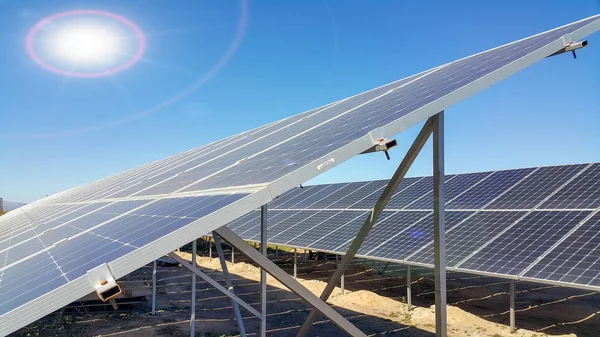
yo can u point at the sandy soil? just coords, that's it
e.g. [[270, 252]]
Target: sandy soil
[[478, 306]]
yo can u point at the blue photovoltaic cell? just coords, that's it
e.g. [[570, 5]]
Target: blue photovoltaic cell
[[242, 225], [453, 186], [514, 250], [303, 226], [469, 235], [298, 195], [20, 285], [316, 197], [575, 260], [401, 246], [388, 227], [358, 191], [536, 187], [488, 189], [371, 193], [332, 232], [277, 221], [582, 192]]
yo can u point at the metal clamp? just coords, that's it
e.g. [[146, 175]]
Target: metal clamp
[[571, 47], [102, 279]]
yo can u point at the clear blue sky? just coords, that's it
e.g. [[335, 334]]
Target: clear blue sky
[[295, 55]]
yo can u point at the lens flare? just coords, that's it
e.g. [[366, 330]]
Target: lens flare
[[85, 39]]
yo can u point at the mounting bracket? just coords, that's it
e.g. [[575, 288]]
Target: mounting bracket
[[571, 47], [102, 279]]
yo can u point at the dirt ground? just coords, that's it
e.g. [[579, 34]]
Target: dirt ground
[[374, 302]]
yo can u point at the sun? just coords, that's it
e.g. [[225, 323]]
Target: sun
[[86, 44]]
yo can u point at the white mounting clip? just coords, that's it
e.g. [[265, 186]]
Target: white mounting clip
[[102, 279], [571, 47], [382, 145]]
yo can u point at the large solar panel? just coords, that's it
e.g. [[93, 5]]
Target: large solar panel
[[250, 169], [575, 260], [508, 234]]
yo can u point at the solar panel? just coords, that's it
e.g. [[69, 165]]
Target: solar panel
[[454, 186], [575, 260], [255, 165], [488, 190], [332, 232], [536, 187], [389, 227], [582, 192], [405, 243], [469, 235], [511, 252]]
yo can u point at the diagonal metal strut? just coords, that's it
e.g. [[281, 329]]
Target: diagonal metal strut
[[216, 284], [287, 280], [387, 193], [229, 284]]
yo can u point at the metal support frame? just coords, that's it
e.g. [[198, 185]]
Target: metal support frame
[[337, 263], [512, 305], [408, 289], [287, 280], [439, 237], [210, 249], [215, 284], [387, 193], [193, 305], [276, 250], [263, 272], [232, 255], [229, 285], [295, 264], [154, 287]]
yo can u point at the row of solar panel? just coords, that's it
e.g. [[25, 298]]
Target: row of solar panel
[[561, 246], [277, 149], [553, 187]]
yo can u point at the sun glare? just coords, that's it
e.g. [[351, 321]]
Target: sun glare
[[85, 44]]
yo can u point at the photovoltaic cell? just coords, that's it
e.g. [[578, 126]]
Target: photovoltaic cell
[[332, 232], [489, 189], [575, 260], [582, 192], [513, 251], [536, 187], [470, 235], [386, 228], [453, 186], [401, 246]]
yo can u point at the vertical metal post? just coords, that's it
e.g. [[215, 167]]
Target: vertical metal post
[[276, 250], [229, 284], [232, 255], [439, 237], [210, 250], [337, 263], [154, 287], [295, 263], [305, 256], [193, 308], [512, 305], [263, 272], [408, 290]]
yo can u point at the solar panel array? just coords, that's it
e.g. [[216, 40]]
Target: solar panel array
[[132, 218], [541, 224]]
